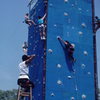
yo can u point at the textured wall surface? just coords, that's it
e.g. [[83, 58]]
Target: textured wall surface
[[36, 45], [71, 20]]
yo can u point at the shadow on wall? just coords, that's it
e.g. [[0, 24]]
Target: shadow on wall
[[69, 62]]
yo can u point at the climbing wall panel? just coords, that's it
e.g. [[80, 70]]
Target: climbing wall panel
[[36, 46], [65, 80]]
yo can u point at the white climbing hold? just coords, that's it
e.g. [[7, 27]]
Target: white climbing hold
[[83, 25], [65, 14], [59, 66], [87, 10], [73, 27], [83, 96], [59, 82], [83, 66], [69, 77], [52, 94], [72, 5], [51, 4], [65, 0], [72, 98], [50, 51], [89, 73], [73, 45], [80, 33], [58, 37], [85, 53], [55, 25]]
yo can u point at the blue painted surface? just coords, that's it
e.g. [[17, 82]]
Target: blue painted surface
[[36, 46], [64, 80], [65, 19]]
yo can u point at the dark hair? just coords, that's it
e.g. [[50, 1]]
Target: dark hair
[[24, 57], [27, 14], [96, 17], [39, 17]]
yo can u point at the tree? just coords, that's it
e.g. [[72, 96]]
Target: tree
[[8, 95]]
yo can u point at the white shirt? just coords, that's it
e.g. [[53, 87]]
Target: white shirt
[[23, 68]]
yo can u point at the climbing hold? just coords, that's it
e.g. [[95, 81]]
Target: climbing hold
[[31, 37], [73, 45], [83, 96], [31, 65], [89, 73], [80, 33], [59, 82], [39, 82], [52, 94], [69, 77], [42, 57], [55, 25], [76, 87], [59, 66], [72, 5], [85, 53], [30, 44], [80, 9], [65, 0], [73, 27], [65, 14], [38, 94], [83, 25], [51, 4], [72, 98], [50, 51], [83, 66]]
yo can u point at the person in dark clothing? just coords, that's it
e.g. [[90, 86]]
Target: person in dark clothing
[[69, 47], [28, 20], [97, 23]]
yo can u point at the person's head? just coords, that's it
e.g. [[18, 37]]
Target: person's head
[[25, 57], [27, 14], [96, 17], [39, 17]]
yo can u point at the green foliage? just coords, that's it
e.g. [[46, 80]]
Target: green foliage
[[8, 95]]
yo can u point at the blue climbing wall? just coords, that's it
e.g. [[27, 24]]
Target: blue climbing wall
[[36, 46], [71, 20], [65, 80]]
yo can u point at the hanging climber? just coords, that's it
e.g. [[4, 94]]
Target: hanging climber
[[42, 27], [28, 20], [69, 47], [23, 79], [97, 23]]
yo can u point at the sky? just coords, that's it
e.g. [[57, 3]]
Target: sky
[[12, 35]]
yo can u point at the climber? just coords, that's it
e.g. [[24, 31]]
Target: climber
[[28, 21], [23, 79], [97, 23], [69, 47], [42, 27], [25, 47]]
